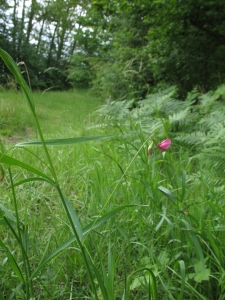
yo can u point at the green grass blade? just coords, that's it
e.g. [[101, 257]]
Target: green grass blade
[[89, 227], [2, 245], [31, 180], [51, 256], [167, 193], [12, 66], [108, 215], [100, 280], [8, 213], [182, 271], [74, 217], [15, 266], [68, 141], [5, 159], [111, 269]]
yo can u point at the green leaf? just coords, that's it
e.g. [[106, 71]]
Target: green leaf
[[68, 141], [74, 217], [110, 214], [182, 273], [5, 159], [31, 180], [5, 211], [137, 282], [167, 193], [15, 266], [2, 245], [201, 274]]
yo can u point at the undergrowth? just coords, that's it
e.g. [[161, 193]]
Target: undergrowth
[[127, 225]]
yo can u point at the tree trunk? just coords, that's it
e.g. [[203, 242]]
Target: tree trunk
[[30, 22], [14, 30], [52, 46], [21, 31]]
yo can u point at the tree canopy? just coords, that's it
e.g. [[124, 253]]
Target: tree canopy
[[120, 48]]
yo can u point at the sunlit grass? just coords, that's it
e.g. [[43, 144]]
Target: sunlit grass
[[60, 114], [66, 113]]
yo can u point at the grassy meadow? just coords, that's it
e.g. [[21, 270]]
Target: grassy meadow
[[123, 224], [60, 113]]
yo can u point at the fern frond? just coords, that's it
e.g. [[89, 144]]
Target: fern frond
[[192, 139]]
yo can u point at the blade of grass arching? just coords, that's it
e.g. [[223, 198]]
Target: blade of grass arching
[[15, 266], [5, 159], [182, 272], [86, 229], [68, 141], [8, 214], [31, 180], [145, 185], [167, 193], [2, 245], [43, 262], [11, 227], [108, 215], [162, 219], [113, 159], [74, 218], [11, 65]]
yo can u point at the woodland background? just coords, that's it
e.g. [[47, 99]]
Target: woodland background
[[122, 49]]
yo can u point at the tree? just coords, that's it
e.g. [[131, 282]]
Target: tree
[[187, 44]]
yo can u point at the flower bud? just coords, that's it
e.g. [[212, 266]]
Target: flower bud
[[150, 150], [164, 144]]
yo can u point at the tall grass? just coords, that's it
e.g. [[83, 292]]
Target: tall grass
[[26, 272], [103, 219]]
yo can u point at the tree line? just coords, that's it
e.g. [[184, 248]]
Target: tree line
[[119, 48]]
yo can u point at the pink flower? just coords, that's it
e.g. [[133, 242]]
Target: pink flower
[[164, 144]]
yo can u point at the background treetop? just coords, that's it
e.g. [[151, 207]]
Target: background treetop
[[120, 48]]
